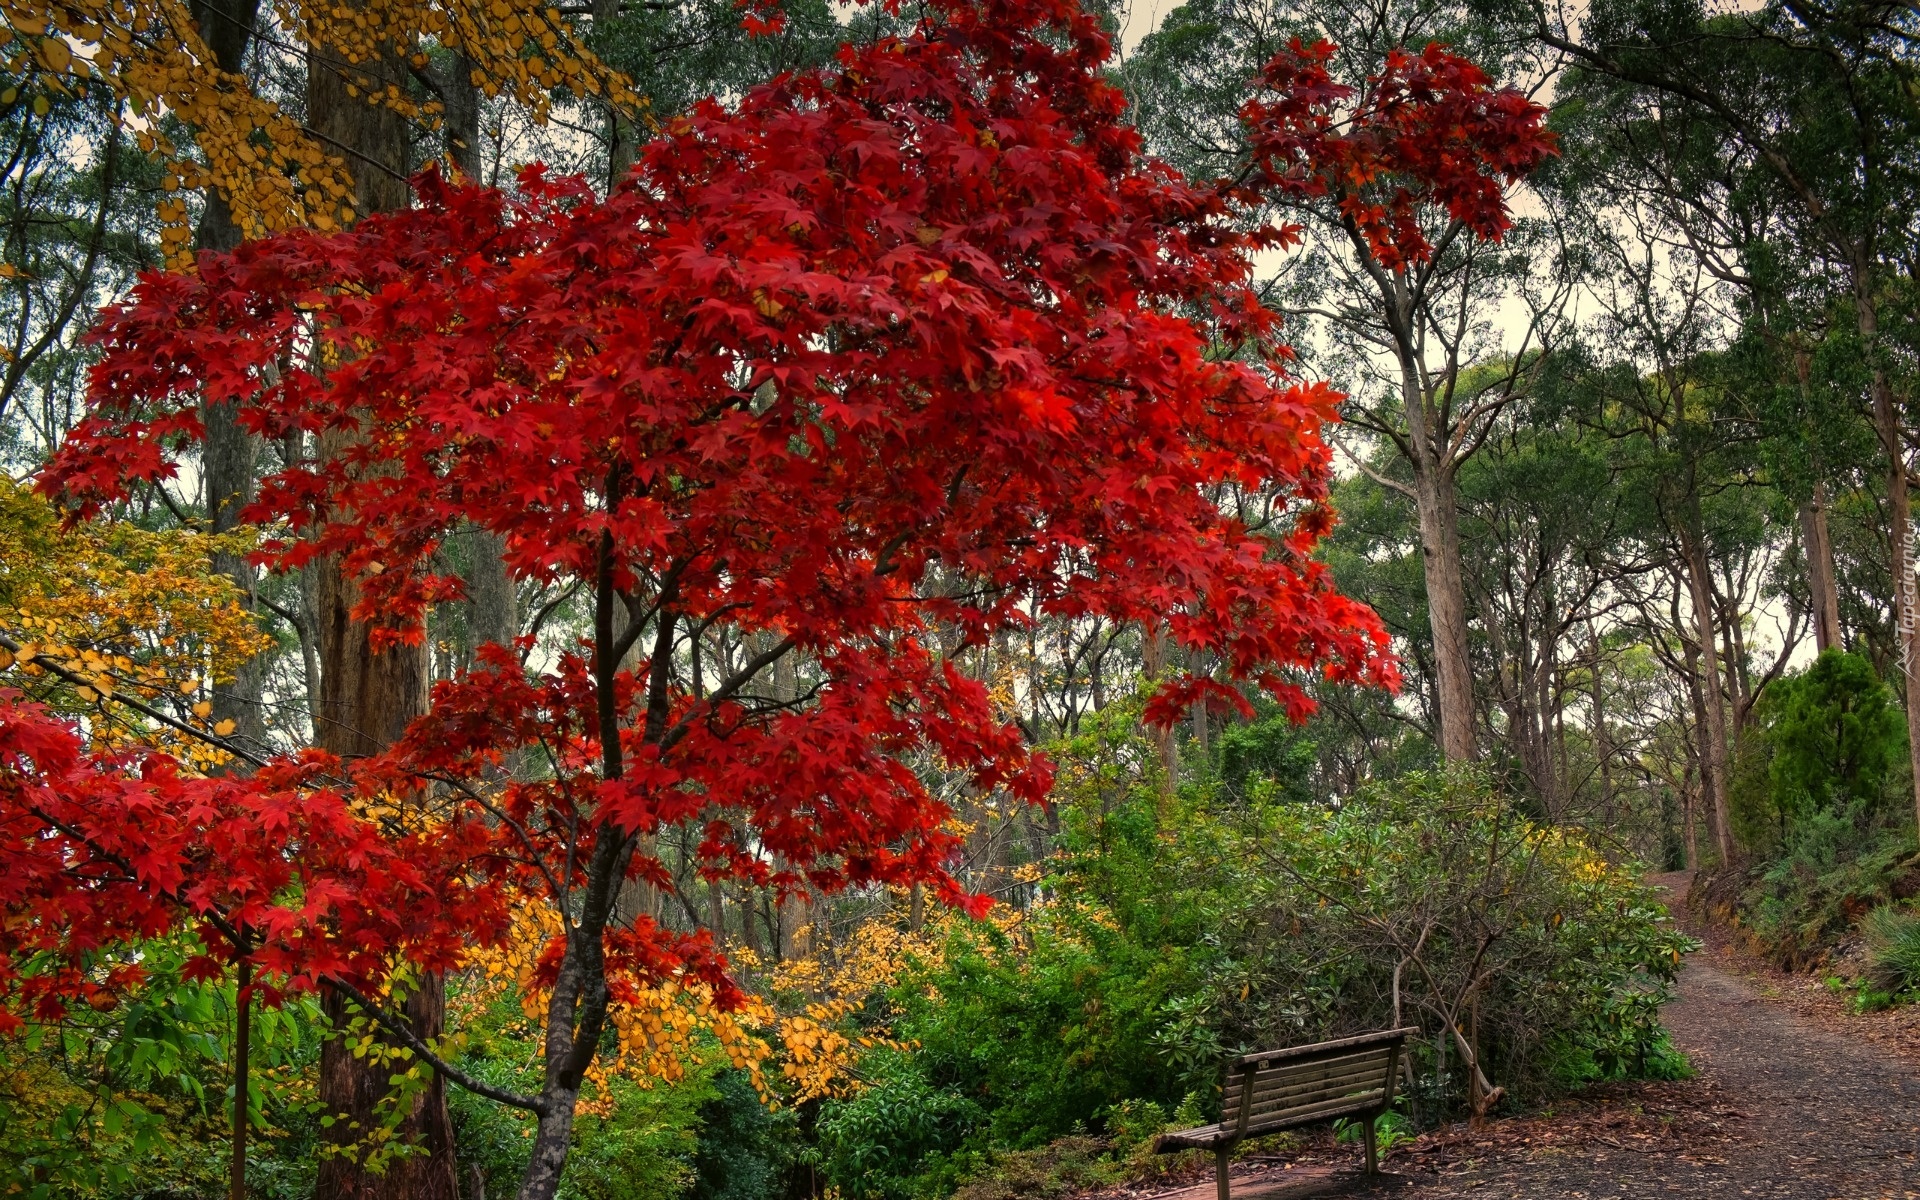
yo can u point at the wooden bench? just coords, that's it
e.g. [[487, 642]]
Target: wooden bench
[[1305, 1085]]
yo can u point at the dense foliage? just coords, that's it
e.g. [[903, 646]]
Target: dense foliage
[[1176, 931]]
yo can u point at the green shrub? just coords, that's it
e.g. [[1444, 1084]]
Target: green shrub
[[1061, 1168], [876, 1144], [1835, 864], [1828, 739], [1390, 1129], [746, 1149], [1893, 935]]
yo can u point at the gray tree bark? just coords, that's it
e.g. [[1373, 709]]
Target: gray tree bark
[[229, 455], [1823, 594], [1439, 516], [1708, 697]]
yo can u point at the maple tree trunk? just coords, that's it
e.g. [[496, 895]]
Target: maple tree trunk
[[367, 699]]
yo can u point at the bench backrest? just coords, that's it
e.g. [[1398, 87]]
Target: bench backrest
[[1280, 1089]]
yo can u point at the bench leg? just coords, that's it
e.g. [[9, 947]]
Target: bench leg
[[1220, 1168], [1373, 1160]]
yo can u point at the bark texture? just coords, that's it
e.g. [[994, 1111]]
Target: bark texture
[[1439, 514], [366, 699], [1713, 698], [229, 455], [1823, 596]]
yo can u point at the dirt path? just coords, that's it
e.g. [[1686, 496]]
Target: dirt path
[[1782, 1107]]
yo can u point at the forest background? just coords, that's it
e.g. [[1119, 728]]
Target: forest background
[[1627, 485]]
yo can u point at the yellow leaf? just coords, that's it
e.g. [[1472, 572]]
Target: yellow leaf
[[203, 710], [224, 728], [6, 658], [56, 54]]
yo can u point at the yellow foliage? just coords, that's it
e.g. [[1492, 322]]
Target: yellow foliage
[[273, 173], [822, 1043], [661, 1030], [809, 1017], [132, 612]]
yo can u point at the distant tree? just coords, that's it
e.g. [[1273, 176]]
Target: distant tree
[[1409, 168]]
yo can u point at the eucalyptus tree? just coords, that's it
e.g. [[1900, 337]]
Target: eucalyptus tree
[[1823, 98]]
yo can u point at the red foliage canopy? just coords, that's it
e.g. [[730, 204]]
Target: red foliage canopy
[[885, 359], [1429, 130]]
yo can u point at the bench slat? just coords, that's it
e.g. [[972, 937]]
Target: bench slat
[[1306, 1092], [1266, 1082], [1327, 1049], [1311, 1113], [1305, 1070]]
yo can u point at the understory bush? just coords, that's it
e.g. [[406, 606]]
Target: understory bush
[[1893, 936], [1179, 927], [1821, 799]]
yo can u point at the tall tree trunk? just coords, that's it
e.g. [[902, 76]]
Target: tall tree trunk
[[462, 101], [623, 140], [1691, 854], [1602, 740], [1202, 743], [1153, 663], [367, 699], [493, 613], [1708, 696], [1439, 517], [1886, 423], [1823, 591], [1823, 594], [229, 454], [1547, 777], [717, 912]]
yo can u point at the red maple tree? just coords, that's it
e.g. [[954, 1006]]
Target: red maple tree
[[845, 379], [1429, 131]]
